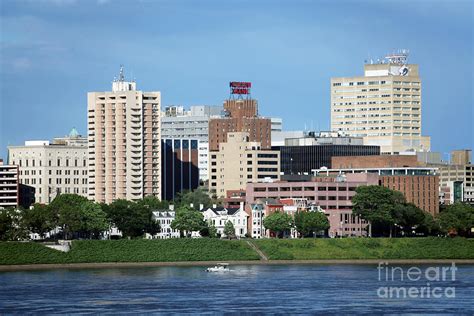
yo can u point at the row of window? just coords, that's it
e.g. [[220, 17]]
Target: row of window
[[307, 188], [375, 82]]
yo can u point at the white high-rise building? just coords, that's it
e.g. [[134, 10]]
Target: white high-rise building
[[124, 143], [383, 106]]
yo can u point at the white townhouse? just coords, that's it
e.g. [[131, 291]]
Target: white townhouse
[[219, 216]]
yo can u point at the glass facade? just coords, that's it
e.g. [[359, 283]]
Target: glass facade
[[303, 159]]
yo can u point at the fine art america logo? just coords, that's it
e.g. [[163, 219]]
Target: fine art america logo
[[416, 282]]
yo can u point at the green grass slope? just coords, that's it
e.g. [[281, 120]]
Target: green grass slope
[[367, 248], [141, 250]]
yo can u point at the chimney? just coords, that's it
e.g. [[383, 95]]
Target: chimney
[[171, 207], [201, 206], [214, 205], [241, 206], [191, 204]]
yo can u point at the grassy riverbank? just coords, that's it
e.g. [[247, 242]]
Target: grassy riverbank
[[368, 248], [189, 250], [87, 251]]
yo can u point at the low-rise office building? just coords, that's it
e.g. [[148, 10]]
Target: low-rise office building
[[303, 159], [333, 193], [419, 185], [52, 168]]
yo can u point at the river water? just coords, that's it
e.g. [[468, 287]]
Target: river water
[[283, 289]]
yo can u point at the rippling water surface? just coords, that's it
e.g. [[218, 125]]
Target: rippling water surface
[[284, 289]]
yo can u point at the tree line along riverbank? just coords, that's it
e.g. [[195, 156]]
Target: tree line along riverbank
[[206, 249]]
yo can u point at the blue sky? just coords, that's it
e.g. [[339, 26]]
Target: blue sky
[[52, 52]]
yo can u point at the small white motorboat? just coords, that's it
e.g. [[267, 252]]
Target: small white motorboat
[[220, 267]]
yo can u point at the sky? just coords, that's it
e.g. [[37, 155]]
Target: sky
[[52, 52]]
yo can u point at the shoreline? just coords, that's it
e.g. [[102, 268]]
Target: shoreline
[[108, 265]]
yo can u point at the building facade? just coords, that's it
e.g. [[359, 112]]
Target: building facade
[[9, 186], [52, 168], [165, 218], [455, 174], [241, 115], [384, 106], [180, 171], [219, 216], [323, 138], [303, 159], [381, 161], [419, 185], [240, 161], [176, 122], [124, 143], [331, 193]]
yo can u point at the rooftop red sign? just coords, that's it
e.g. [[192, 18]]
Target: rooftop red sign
[[237, 87], [238, 84]]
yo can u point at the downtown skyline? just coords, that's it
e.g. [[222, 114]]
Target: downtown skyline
[[54, 52]]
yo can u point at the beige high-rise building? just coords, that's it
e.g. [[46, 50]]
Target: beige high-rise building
[[239, 162], [124, 143], [383, 106]]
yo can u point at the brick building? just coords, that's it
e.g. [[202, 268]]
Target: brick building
[[419, 185], [332, 193], [378, 161], [241, 116]]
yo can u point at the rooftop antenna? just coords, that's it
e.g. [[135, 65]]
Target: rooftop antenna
[[121, 75]]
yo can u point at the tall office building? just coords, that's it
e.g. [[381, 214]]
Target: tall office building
[[124, 143], [240, 161], [52, 168], [383, 106], [178, 123], [241, 115]]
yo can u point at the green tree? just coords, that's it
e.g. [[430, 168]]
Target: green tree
[[457, 219], [408, 217], [39, 219], [196, 197], [93, 219], [310, 223], [66, 213], [154, 203], [132, 219], [188, 220], [6, 223], [229, 230], [12, 226], [278, 222], [377, 205], [212, 231], [209, 230]]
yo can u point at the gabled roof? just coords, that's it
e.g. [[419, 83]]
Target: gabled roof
[[220, 209]]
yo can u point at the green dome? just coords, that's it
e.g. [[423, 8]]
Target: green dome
[[73, 132]]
